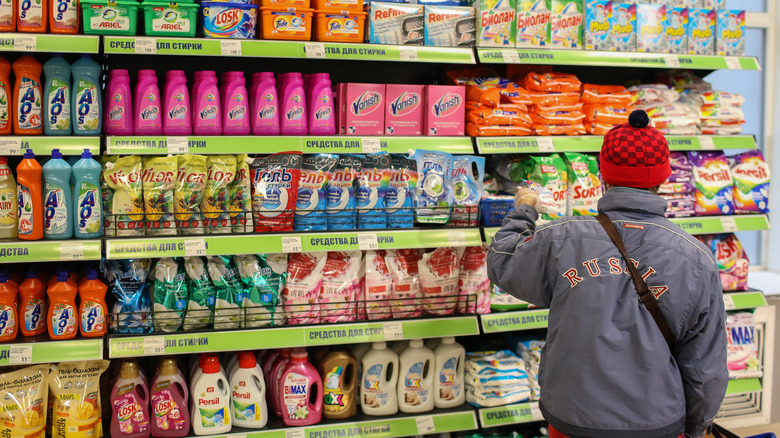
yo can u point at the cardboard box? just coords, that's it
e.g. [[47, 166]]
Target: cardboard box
[[701, 31], [598, 24], [450, 26], [496, 22], [730, 38], [566, 24], [651, 29], [623, 27], [362, 109], [396, 23], [533, 23], [404, 109], [677, 29], [445, 110]]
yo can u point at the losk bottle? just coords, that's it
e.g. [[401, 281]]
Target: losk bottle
[[415, 386], [9, 226], [119, 104], [93, 310], [378, 385], [207, 110], [235, 117], [339, 375], [57, 198], [6, 95], [64, 16], [170, 414], [9, 318], [86, 102], [130, 403], [61, 317], [321, 111], [276, 373], [448, 379], [147, 113], [87, 198], [32, 305], [265, 104], [32, 16], [299, 384], [27, 107], [210, 413], [248, 393], [177, 118], [29, 189], [56, 93], [293, 112]]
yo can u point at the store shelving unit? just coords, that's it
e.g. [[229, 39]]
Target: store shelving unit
[[42, 145], [41, 349], [510, 414], [50, 251], [29, 42]]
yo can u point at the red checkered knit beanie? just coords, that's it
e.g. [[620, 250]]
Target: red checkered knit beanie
[[634, 154]]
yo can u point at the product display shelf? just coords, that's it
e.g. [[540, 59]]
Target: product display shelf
[[30, 42], [743, 386], [49, 250], [273, 144], [290, 336], [41, 349], [510, 414], [744, 300], [43, 145], [118, 45], [592, 143]]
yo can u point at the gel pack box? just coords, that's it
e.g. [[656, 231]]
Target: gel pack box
[[566, 24], [396, 23], [701, 31], [495, 22], [362, 109], [404, 109], [651, 29], [533, 23], [623, 27], [450, 26], [730, 39], [445, 110], [677, 29], [598, 24]]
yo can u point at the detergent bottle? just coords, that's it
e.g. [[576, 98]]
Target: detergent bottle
[[148, 108], [415, 389], [86, 102], [276, 373], [8, 14], [339, 375], [9, 319], [119, 104], [64, 16], [6, 96], [299, 384], [321, 111], [57, 198], [358, 351], [56, 92], [170, 414], [87, 198], [248, 393], [27, 108], [235, 117], [130, 403], [9, 225], [265, 104], [33, 16], [380, 376], [29, 189], [210, 391], [32, 305], [207, 111], [448, 379], [293, 112], [93, 310], [178, 120], [61, 318]]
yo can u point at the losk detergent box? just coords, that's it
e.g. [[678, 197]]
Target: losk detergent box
[[677, 29], [404, 109], [598, 24], [566, 24], [651, 28], [396, 23], [701, 31], [533, 23], [623, 27], [730, 39], [445, 110], [362, 109], [450, 26], [495, 22]]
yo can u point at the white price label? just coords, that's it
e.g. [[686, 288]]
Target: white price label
[[177, 145], [706, 143], [20, 354], [230, 47], [425, 425], [368, 241], [294, 433], [194, 247], [72, 251], [314, 50], [510, 56], [146, 46], [536, 413], [728, 301], [10, 146], [154, 345], [545, 144], [393, 331], [25, 43], [456, 238], [729, 224], [732, 63], [371, 145], [672, 61], [292, 244], [408, 53], [237, 435]]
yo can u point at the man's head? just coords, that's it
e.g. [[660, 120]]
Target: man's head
[[634, 154]]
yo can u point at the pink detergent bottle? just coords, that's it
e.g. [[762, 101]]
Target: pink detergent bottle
[[119, 104], [265, 104], [293, 117], [148, 105], [177, 119], [130, 403], [307, 85], [206, 112], [321, 111], [276, 372], [298, 386], [235, 117], [171, 415]]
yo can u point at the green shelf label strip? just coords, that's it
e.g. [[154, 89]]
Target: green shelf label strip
[[51, 351], [511, 321], [27, 42], [49, 251], [511, 414], [743, 386], [592, 143], [744, 300], [43, 145]]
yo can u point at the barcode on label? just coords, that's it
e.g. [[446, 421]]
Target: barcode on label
[[425, 424], [545, 144], [408, 53], [371, 145], [729, 224], [706, 142], [177, 145], [25, 43], [194, 248], [314, 50], [10, 146], [393, 331], [728, 301], [72, 251], [20, 354], [146, 46], [733, 63], [230, 47], [292, 244], [510, 56], [672, 61], [154, 345], [368, 241]]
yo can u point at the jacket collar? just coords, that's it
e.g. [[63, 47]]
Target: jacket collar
[[632, 200]]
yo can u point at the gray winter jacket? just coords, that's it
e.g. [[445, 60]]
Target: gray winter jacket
[[606, 370]]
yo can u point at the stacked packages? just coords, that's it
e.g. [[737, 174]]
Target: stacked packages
[[556, 108], [666, 114], [495, 378], [678, 190], [720, 112], [605, 106], [742, 346], [531, 352]]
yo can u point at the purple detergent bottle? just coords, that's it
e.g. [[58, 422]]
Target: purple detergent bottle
[[207, 110], [235, 116], [265, 104], [293, 118], [177, 119], [119, 104], [321, 110], [148, 106]]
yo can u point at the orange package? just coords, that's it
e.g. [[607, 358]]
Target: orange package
[[484, 95], [475, 130], [606, 94], [546, 108], [552, 82], [607, 114], [498, 116], [466, 75], [554, 99], [595, 128], [514, 93], [470, 105], [577, 129], [557, 118]]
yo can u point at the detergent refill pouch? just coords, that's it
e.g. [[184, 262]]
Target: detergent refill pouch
[[169, 294], [433, 195], [398, 197], [713, 183], [751, 182], [126, 279], [467, 190], [123, 177], [23, 402], [275, 181], [372, 184], [340, 193], [241, 198], [584, 185], [159, 174], [230, 292], [201, 293], [316, 172], [188, 193], [263, 278], [215, 203]]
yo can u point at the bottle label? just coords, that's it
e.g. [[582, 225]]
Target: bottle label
[[130, 415], [88, 117], [294, 112], [167, 414], [323, 111], [212, 417], [177, 114], [66, 13], [63, 319], [168, 20], [7, 208], [90, 209], [7, 321], [33, 315], [55, 219], [373, 395], [6, 13], [4, 104], [208, 110], [449, 389], [117, 113], [29, 103], [266, 110], [150, 111], [24, 209], [242, 409], [414, 393], [31, 12], [237, 110], [58, 113], [93, 318], [295, 392], [335, 400]]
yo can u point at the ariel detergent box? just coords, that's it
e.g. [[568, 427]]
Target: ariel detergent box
[[450, 26], [651, 28], [229, 20], [677, 29], [566, 24], [730, 39], [598, 24], [623, 27], [445, 110], [396, 23], [404, 104], [701, 32], [362, 109], [495, 22], [533, 23]]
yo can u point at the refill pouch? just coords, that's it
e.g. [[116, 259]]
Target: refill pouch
[[473, 282], [316, 171], [240, 189], [439, 273], [433, 195], [302, 290], [123, 176], [378, 285], [403, 265], [215, 204], [201, 293], [584, 188], [230, 292], [23, 402], [398, 197], [341, 284], [169, 295], [340, 193], [274, 190], [467, 190], [188, 193], [372, 184], [263, 277], [131, 313], [159, 174], [751, 182]]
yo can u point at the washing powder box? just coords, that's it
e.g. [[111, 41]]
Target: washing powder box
[[623, 27], [362, 109], [396, 23], [533, 23], [495, 22], [566, 24], [598, 24], [730, 37], [651, 29], [701, 31], [404, 109], [445, 110], [450, 26], [677, 29]]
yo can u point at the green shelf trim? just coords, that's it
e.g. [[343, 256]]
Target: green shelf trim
[[56, 351], [511, 414], [592, 143], [43, 145], [20, 42], [742, 386], [744, 300], [512, 321], [49, 251]]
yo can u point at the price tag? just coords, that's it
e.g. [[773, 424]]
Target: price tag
[[733, 63], [314, 50], [706, 142], [292, 244], [729, 224], [536, 413], [728, 300], [237, 435], [294, 433], [178, 145], [146, 46], [545, 144], [425, 424], [510, 56], [72, 251], [672, 61], [456, 238], [155, 345], [367, 241], [371, 145], [10, 146], [194, 247], [20, 354], [25, 43], [394, 331], [408, 53], [230, 47]]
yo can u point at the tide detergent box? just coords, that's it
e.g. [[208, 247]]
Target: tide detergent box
[[651, 29], [566, 24], [598, 24], [450, 26], [730, 39], [362, 109], [495, 22], [404, 109], [677, 29], [533, 23], [623, 27], [445, 110], [396, 23], [701, 31]]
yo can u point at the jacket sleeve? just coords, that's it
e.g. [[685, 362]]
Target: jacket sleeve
[[517, 262], [701, 356]]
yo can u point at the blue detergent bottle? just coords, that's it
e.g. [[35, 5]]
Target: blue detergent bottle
[[56, 93], [86, 102], [57, 198], [88, 201]]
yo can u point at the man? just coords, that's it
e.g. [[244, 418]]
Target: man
[[606, 369]]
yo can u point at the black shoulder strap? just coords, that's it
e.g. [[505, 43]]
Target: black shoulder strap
[[645, 295]]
